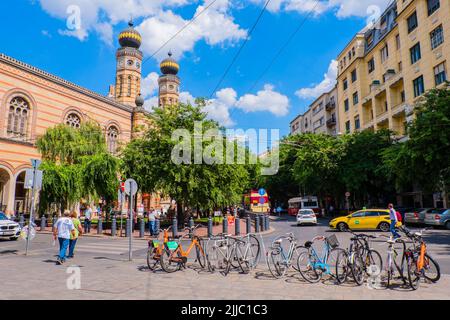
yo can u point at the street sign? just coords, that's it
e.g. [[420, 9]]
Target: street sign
[[262, 200], [262, 192], [131, 187], [347, 194], [28, 184]]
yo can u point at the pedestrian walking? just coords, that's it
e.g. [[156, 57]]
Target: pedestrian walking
[[152, 216], [393, 217], [64, 228], [87, 219], [74, 237]]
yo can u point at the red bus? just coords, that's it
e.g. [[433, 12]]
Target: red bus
[[309, 202]]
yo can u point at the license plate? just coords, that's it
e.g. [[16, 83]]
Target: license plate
[[7, 233]]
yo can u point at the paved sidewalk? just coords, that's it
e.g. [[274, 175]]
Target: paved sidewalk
[[35, 277]]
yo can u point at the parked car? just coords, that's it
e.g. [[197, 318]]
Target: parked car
[[403, 211], [306, 216], [8, 228], [369, 219], [438, 218], [417, 216]]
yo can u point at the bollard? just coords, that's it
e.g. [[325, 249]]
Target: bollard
[[21, 220], [100, 226], [257, 224], [191, 225], [142, 228], [43, 223], [225, 225], [157, 227], [237, 229], [268, 223], [210, 227], [175, 227], [249, 225], [113, 227], [262, 219]]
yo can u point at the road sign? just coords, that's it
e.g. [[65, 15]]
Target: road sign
[[131, 187], [262, 200], [262, 191], [347, 194], [28, 184]]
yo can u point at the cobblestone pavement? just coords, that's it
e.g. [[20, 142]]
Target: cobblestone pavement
[[106, 274]]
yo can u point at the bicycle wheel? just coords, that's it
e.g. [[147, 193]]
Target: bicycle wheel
[[306, 266], [357, 268], [241, 258], [152, 259], [201, 256], [373, 258], [215, 257], [431, 269], [342, 267], [332, 262], [413, 273], [295, 255], [170, 260], [228, 260], [275, 263], [253, 251]]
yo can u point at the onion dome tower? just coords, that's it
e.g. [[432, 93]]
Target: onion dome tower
[[169, 82], [129, 61]]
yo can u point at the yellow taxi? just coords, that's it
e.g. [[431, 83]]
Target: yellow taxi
[[368, 219]]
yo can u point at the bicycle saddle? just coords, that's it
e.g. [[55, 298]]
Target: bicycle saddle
[[308, 244]]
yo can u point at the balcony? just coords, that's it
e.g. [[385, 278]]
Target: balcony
[[330, 106], [331, 122], [382, 117], [398, 109]]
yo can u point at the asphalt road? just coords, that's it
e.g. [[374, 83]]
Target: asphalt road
[[438, 240]]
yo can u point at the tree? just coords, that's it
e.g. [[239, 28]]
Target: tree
[[158, 164], [360, 169], [76, 165], [424, 158]]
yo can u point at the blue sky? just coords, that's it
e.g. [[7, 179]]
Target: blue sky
[[38, 33]]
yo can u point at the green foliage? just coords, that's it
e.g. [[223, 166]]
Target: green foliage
[[149, 161], [76, 165], [425, 157]]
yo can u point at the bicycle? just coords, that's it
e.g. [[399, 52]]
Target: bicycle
[[311, 266], [392, 255], [248, 252], [174, 257], [278, 260], [155, 249], [223, 254], [418, 261], [357, 259]]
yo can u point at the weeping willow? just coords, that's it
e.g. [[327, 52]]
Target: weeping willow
[[76, 166]]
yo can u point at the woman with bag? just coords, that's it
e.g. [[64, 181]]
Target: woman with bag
[[78, 232]]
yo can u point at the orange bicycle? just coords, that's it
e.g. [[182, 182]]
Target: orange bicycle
[[174, 257], [419, 262], [155, 249]]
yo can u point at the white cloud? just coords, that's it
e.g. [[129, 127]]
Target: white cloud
[[215, 26], [342, 8], [265, 100], [328, 83], [149, 85]]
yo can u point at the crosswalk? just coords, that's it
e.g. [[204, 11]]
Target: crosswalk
[[118, 247]]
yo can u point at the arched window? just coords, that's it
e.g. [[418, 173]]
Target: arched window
[[112, 139], [73, 120], [19, 112]]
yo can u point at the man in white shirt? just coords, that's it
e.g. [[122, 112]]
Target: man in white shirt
[[62, 230]]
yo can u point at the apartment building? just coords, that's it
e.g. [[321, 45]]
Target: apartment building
[[321, 116], [386, 67]]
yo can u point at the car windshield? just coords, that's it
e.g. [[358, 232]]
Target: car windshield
[[306, 212], [3, 216]]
